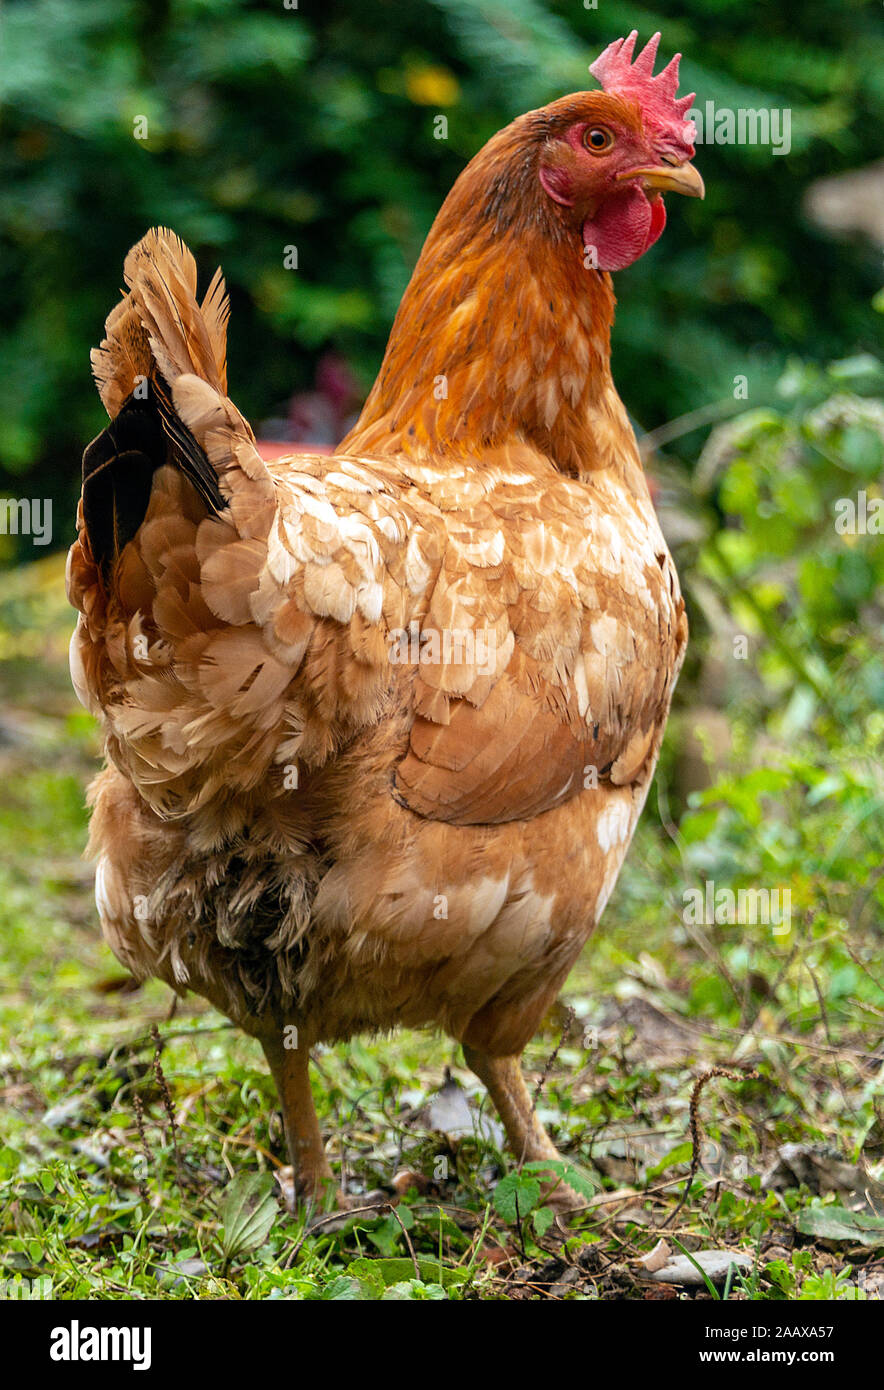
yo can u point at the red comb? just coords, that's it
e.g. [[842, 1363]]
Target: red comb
[[661, 108]]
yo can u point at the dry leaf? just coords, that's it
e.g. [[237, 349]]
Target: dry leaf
[[655, 1259]]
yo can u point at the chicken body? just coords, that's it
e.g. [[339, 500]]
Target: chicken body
[[379, 725], [318, 893]]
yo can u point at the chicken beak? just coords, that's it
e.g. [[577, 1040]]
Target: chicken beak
[[675, 178]]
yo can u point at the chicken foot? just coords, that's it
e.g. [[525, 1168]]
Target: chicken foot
[[529, 1141]]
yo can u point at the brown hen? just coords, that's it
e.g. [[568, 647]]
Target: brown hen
[[379, 725]]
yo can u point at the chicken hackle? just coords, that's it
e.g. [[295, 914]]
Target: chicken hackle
[[379, 725]]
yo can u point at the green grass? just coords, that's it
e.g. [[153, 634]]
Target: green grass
[[129, 1136]]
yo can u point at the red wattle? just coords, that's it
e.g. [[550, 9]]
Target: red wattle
[[624, 227], [658, 221]]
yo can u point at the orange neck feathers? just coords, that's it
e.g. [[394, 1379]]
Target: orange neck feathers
[[503, 334]]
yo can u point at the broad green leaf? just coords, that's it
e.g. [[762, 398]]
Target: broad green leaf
[[515, 1196], [344, 1289], [838, 1223], [680, 1154], [9, 1161], [248, 1211], [543, 1219], [571, 1173], [412, 1291]]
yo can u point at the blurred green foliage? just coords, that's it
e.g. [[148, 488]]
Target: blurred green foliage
[[795, 543], [786, 585], [269, 127]]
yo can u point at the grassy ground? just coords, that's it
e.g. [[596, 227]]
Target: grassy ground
[[138, 1146]]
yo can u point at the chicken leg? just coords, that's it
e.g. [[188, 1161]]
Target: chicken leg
[[529, 1141], [290, 1067]]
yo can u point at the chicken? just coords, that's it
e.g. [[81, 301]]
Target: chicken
[[379, 725]]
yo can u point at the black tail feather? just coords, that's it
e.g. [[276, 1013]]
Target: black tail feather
[[118, 469]]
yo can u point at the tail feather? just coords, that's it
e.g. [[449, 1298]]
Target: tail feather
[[161, 273], [215, 311], [156, 335], [118, 469]]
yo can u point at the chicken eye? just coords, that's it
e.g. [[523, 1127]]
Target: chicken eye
[[598, 139]]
